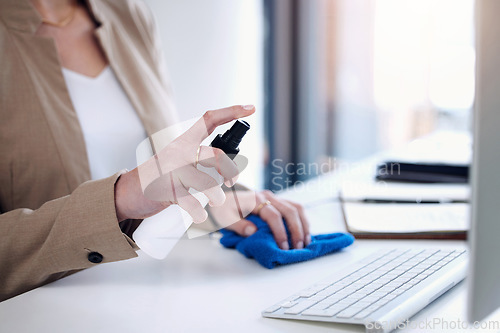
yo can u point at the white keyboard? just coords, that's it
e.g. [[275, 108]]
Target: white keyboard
[[380, 291]]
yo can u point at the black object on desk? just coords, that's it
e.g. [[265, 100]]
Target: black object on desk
[[422, 172]]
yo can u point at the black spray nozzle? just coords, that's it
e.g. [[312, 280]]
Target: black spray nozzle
[[229, 141]]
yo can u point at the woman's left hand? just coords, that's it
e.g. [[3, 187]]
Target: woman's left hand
[[275, 212]]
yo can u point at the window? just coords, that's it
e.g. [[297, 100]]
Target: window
[[362, 76], [214, 57]]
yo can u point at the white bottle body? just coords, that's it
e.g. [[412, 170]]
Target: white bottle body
[[157, 235]]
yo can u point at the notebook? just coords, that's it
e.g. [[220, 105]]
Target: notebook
[[406, 220]]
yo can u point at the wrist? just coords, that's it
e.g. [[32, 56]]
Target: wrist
[[130, 202], [120, 197]]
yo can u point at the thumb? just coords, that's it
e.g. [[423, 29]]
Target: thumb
[[243, 228]]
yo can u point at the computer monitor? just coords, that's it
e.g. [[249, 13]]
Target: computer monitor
[[484, 269]]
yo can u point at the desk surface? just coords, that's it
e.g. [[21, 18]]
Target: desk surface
[[201, 286]]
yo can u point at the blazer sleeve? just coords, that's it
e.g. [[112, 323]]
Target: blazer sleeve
[[66, 234]]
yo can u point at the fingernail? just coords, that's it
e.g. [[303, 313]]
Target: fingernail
[[249, 230], [203, 218], [248, 107], [308, 240], [299, 245], [284, 246]]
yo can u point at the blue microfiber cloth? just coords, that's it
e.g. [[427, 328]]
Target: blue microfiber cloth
[[262, 246]]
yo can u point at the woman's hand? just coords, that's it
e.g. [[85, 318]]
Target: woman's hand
[[272, 209], [166, 178]]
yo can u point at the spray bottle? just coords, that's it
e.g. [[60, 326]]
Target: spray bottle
[[157, 235]]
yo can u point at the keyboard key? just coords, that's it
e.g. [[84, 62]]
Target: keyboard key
[[317, 313], [382, 302], [377, 255], [288, 304], [439, 264], [382, 281], [407, 276], [317, 298], [390, 296], [343, 282], [363, 314], [373, 298], [372, 308], [365, 291], [413, 281], [386, 289], [458, 252], [372, 287], [328, 302], [397, 292], [308, 292], [363, 303], [406, 286], [332, 311], [332, 289], [272, 309], [291, 298], [298, 308], [393, 284], [346, 291], [419, 278], [375, 295], [345, 302], [356, 296], [433, 260], [447, 259], [423, 265], [348, 313]]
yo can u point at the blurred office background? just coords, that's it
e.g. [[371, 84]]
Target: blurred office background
[[331, 79]]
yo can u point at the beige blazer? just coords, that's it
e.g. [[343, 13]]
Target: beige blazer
[[53, 219]]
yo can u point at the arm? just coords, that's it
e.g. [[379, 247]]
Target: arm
[[43, 245], [82, 229]]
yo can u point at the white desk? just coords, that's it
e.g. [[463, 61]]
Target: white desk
[[200, 286]]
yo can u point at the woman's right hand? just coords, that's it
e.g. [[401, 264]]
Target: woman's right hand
[[165, 178]]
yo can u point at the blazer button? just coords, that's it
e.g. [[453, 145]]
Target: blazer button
[[95, 257]]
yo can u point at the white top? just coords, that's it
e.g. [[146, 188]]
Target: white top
[[112, 132], [110, 125]]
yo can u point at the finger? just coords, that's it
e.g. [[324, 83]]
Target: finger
[[274, 219], [292, 219], [200, 181], [189, 203], [211, 119], [243, 228], [216, 158], [304, 220]]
